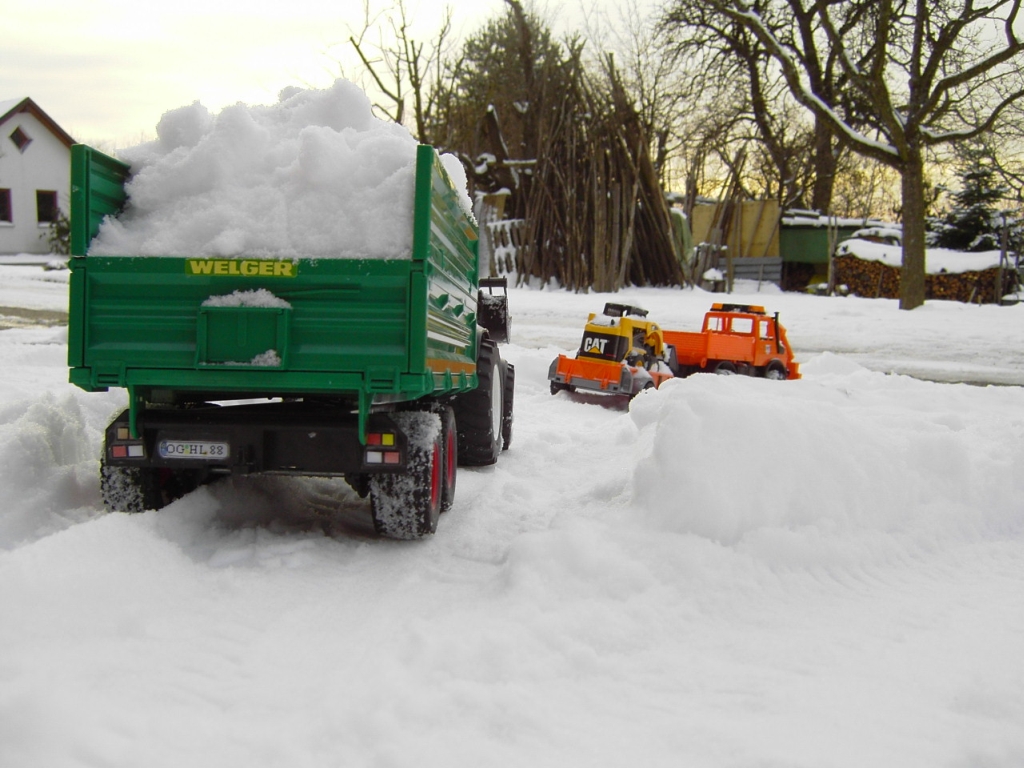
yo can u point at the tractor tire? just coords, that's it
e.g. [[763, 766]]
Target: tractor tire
[[406, 505], [507, 401], [776, 371], [478, 413], [450, 459]]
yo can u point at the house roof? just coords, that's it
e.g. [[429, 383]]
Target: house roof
[[11, 107]]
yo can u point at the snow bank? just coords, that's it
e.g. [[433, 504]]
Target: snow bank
[[315, 175], [48, 467], [726, 572], [833, 473]]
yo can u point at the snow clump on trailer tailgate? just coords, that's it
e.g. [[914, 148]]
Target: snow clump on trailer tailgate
[[315, 175], [258, 298]]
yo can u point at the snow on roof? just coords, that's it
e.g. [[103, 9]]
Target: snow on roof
[[315, 175], [795, 217], [937, 260], [892, 232]]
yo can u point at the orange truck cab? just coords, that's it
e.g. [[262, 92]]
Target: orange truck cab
[[623, 353]]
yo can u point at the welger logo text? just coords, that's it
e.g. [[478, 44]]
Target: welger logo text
[[241, 267]]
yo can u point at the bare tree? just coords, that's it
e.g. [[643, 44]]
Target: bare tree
[[1008, 155], [865, 188], [803, 154], [406, 72], [649, 70], [923, 73], [509, 76]]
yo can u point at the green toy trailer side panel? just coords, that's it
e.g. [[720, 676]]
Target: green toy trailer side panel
[[97, 191], [445, 240], [403, 327]]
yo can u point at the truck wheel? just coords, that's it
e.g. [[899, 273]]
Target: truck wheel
[[478, 413], [406, 505], [506, 406], [776, 371]]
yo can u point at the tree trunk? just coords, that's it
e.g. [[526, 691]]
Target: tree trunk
[[825, 162], [912, 283]]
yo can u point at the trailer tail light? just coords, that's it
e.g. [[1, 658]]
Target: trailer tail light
[[124, 447], [382, 448]]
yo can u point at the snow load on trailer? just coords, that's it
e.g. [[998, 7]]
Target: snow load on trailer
[[314, 176]]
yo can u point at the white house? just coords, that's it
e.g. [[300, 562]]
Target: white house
[[35, 171]]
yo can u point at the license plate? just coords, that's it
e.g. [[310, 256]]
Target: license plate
[[193, 449]]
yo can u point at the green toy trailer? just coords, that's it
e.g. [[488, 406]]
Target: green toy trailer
[[375, 370]]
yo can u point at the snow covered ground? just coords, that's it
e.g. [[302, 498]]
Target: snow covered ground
[[731, 572]]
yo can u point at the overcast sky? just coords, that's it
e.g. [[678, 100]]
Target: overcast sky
[[106, 70]]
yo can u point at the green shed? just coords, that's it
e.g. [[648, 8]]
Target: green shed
[[804, 235]]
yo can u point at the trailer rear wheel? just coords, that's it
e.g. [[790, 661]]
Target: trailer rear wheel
[[129, 489], [478, 413], [406, 505], [137, 489]]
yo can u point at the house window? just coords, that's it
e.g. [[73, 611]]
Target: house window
[[21, 139], [46, 206], [5, 206]]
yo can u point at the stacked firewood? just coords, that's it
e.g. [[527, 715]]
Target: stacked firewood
[[873, 279], [595, 215], [978, 287]]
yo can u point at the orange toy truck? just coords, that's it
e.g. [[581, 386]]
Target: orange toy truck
[[623, 353]]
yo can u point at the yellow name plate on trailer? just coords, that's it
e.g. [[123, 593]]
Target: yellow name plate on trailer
[[241, 267]]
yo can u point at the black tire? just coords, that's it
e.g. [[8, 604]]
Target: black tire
[[129, 489], [406, 505], [507, 406], [725, 368], [647, 385], [556, 388], [478, 413], [136, 489], [776, 371], [450, 456], [672, 359]]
